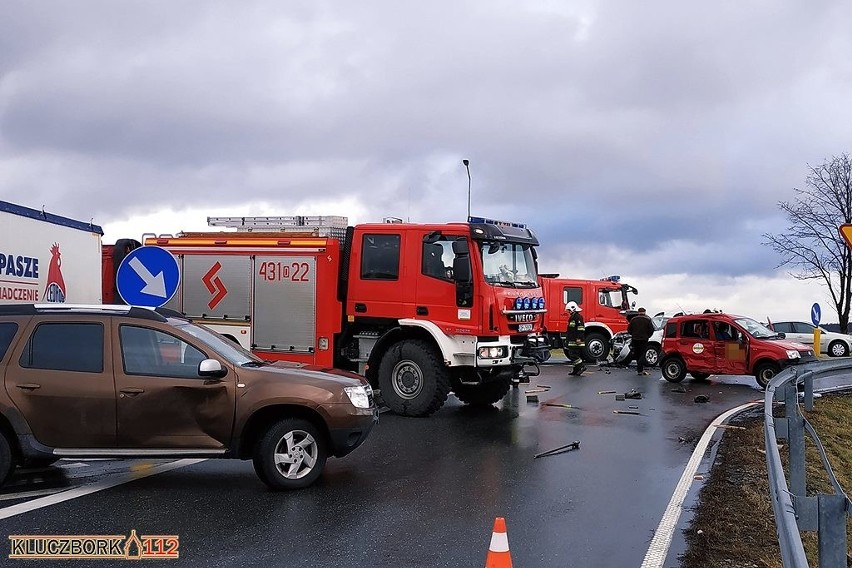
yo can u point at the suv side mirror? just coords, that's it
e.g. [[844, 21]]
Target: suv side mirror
[[211, 368], [782, 335]]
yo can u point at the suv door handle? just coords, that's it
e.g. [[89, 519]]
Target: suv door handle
[[29, 386], [131, 391]]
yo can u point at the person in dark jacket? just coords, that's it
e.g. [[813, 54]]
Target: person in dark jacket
[[575, 338], [640, 328]]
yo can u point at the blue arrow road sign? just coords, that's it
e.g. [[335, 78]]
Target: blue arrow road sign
[[148, 276], [816, 313]]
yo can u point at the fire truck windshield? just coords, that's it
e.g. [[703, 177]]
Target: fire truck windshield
[[614, 298], [508, 264]]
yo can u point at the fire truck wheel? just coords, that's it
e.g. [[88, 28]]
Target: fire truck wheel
[[596, 348], [413, 379], [674, 370], [484, 394], [291, 455], [7, 464], [764, 373]]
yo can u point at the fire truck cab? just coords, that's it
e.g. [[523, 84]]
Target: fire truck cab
[[606, 310], [418, 309]]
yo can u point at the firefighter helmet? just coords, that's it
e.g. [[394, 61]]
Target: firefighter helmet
[[573, 307]]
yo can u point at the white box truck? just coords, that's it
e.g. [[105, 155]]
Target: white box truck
[[48, 258]]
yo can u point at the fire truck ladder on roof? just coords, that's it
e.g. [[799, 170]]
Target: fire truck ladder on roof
[[321, 225]]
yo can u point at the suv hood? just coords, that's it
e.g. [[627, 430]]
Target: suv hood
[[313, 374]]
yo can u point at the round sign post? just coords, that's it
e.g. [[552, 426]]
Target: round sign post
[[816, 314], [148, 276]]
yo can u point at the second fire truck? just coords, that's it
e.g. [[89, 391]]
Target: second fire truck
[[419, 309], [606, 310]]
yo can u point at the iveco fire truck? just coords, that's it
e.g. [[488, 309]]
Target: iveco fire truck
[[606, 310], [418, 309]]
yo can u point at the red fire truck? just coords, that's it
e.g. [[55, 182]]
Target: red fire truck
[[418, 309], [606, 310]]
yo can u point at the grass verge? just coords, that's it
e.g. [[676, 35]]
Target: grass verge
[[734, 526]]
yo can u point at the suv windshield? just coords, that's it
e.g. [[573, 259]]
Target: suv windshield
[[755, 329], [231, 351], [509, 264]]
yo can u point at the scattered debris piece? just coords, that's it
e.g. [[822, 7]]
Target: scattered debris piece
[[575, 445], [619, 397], [560, 405], [731, 426], [679, 388], [533, 391], [627, 412], [606, 392], [532, 398], [631, 406], [543, 386], [702, 398], [633, 394], [698, 477]]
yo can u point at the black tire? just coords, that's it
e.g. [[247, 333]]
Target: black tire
[[674, 369], [699, 376], [765, 371], [652, 356], [7, 461], [35, 463], [597, 347], [301, 451], [484, 394], [837, 349], [413, 379]]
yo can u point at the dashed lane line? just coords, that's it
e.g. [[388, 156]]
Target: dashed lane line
[[659, 548], [60, 497]]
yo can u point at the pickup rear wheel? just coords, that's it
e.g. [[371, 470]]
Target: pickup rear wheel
[[484, 394], [674, 369], [7, 464], [596, 347], [413, 379], [291, 455], [765, 371]]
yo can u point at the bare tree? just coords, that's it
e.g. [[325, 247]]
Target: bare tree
[[812, 246]]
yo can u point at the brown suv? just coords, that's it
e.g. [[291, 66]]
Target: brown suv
[[119, 381]]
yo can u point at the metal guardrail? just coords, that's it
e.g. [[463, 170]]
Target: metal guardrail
[[794, 510]]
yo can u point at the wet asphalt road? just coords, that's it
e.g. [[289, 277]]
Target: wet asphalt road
[[425, 492]]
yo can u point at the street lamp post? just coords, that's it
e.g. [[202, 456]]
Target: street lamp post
[[467, 167]]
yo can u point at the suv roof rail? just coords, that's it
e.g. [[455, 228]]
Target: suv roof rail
[[160, 314]]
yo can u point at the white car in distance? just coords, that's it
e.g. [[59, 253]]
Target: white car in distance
[[834, 344]]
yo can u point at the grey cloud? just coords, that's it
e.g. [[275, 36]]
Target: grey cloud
[[694, 119]]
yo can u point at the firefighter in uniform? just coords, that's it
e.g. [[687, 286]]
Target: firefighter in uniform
[[575, 338]]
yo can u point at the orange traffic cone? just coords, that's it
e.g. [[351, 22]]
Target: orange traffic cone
[[498, 551]]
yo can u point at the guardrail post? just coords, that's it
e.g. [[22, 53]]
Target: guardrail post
[[832, 531], [795, 439]]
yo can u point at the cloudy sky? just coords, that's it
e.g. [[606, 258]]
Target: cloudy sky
[[648, 139]]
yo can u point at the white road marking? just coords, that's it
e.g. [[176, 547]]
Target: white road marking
[[659, 548], [7, 512], [25, 494], [72, 465]]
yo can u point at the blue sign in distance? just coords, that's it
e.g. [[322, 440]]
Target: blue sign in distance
[[816, 313], [148, 276]]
